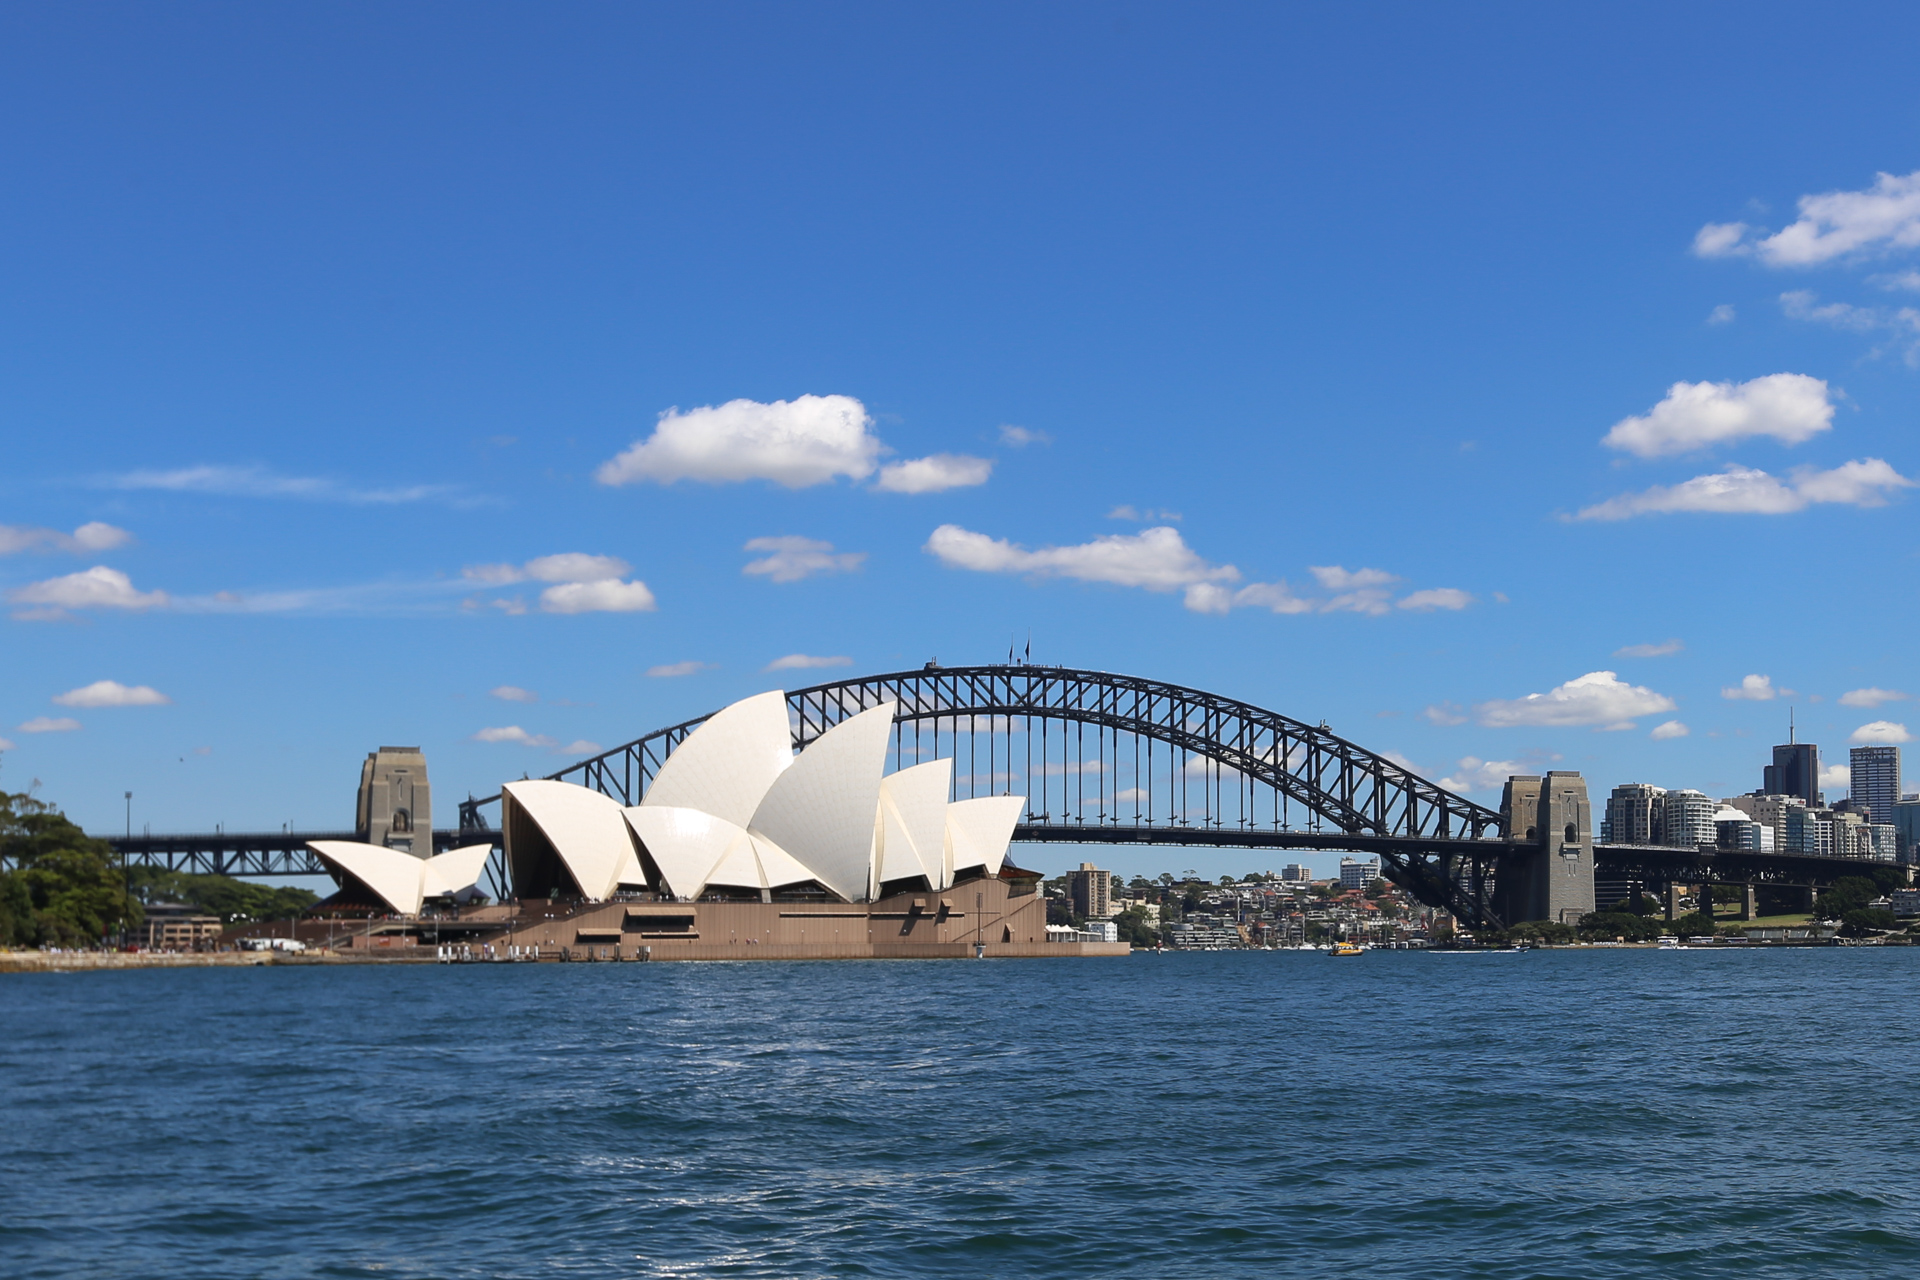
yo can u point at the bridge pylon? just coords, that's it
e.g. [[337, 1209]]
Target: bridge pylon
[[1546, 872]]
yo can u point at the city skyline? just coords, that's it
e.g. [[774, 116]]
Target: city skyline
[[514, 416]]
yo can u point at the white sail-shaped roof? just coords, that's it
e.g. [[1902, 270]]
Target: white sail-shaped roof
[[726, 765], [584, 827], [455, 873], [778, 866], [685, 844], [978, 832], [913, 824], [393, 876], [822, 810]]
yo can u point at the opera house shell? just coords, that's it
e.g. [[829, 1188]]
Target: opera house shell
[[735, 815], [742, 848]]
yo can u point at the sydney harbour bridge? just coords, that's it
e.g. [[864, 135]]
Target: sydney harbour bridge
[[1115, 759]]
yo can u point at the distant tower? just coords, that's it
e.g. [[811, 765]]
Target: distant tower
[[1876, 780], [1795, 770], [395, 808]]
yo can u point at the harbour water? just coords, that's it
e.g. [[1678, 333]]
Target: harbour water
[[1578, 1114]]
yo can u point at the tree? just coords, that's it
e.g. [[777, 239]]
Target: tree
[[1379, 888], [1861, 921], [1848, 893], [1547, 931], [1135, 928], [1605, 926], [66, 890], [234, 901]]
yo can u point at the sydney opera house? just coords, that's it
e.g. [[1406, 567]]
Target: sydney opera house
[[740, 849]]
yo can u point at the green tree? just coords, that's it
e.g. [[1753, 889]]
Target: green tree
[[65, 889], [1605, 926], [1861, 921], [1848, 893], [1547, 931], [1136, 928], [234, 901]]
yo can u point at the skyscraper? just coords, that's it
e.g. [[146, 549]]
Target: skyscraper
[[1795, 771], [1876, 780]]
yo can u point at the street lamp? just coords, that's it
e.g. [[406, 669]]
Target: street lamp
[[126, 883]]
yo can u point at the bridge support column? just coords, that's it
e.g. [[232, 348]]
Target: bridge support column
[[1749, 902], [1548, 874], [1672, 896]]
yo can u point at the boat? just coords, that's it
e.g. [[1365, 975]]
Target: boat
[[1347, 949]]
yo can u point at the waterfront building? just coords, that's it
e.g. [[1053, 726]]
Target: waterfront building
[[1875, 780], [1809, 831], [383, 880], [176, 926], [1634, 814], [1089, 892], [395, 808], [1795, 771], [1687, 818], [1358, 873]]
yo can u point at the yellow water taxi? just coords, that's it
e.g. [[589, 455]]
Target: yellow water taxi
[[1347, 949]]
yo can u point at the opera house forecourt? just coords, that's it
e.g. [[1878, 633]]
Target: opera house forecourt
[[740, 849]]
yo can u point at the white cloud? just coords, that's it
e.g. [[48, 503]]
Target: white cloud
[[1475, 774], [583, 584], [513, 693], [1754, 688], [1669, 729], [513, 733], [92, 536], [1445, 713], [1836, 777], [1156, 559], [568, 566], [669, 670], [260, 482], [933, 474], [806, 662], [605, 596], [48, 724], [1832, 225], [790, 559], [1870, 697], [1435, 598], [1660, 650], [1142, 515], [95, 588], [1802, 304], [1876, 731], [1742, 490], [6, 744], [580, 747], [805, 441], [1720, 239], [111, 693], [1790, 407], [1599, 698], [1360, 590], [1276, 596], [1020, 437], [1722, 314]]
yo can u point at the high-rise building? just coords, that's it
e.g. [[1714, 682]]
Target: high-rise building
[[394, 807], [1634, 814], [1809, 831], [1357, 873], [1906, 826], [1294, 873], [1795, 771], [1686, 819], [1875, 784], [1089, 892]]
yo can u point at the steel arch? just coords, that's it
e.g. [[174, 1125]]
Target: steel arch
[[1440, 845]]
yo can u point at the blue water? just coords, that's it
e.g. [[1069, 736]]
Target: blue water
[[1553, 1114]]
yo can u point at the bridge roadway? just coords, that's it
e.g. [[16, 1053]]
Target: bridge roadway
[[284, 853]]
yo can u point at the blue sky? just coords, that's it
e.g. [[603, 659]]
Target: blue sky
[[359, 361]]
